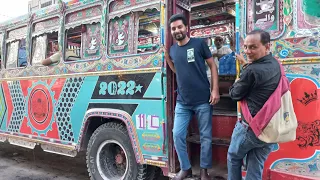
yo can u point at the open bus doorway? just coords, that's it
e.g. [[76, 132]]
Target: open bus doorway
[[209, 20]]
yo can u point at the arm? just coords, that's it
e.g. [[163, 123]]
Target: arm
[[52, 59], [222, 52], [168, 60], [242, 86], [242, 61], [215, 96]]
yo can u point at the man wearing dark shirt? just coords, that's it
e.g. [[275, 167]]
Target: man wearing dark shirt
[[187, 58], [259, 79]]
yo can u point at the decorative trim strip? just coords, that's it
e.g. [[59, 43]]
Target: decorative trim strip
[[40, 140], [117, 72], [118, 114]]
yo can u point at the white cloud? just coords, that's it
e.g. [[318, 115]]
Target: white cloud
[[12, 8]]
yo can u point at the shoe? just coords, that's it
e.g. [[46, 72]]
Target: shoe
[[183, 174], [204, 174]]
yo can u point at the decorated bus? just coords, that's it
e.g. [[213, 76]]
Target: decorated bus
[[108, 91]]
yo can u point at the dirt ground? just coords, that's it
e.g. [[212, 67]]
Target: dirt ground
[[18, 163]]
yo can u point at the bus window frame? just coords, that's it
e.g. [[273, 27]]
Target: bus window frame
[[9, 41], [2, 41], [67, 26], [41, 33], [133, 10]]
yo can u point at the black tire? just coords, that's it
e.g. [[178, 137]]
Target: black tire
[[103, 144], [149, 173]]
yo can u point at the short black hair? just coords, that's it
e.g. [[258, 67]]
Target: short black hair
[[177, 17], [264, 35]]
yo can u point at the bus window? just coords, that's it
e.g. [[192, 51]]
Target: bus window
[[1, 43], [44, 46], [22, 53], [83, 42], [123, 32], [148, 35], [73, 43], [16, 54]]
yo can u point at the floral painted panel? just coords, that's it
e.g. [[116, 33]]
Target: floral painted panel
[[122, 4], [120, 36], [18, 33], [48, 24], [84, 14], [92, 40]]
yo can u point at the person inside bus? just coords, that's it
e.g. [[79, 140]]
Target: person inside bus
[[258, 80], [56, 55], [22, 54], [187, 59], [219, 52]]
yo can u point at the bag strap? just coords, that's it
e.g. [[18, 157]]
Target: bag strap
[[245, 111], [244, 105]]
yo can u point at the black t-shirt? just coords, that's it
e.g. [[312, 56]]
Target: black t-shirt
[[189, 62]]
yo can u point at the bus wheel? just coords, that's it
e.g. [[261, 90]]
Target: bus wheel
[[110, 155]]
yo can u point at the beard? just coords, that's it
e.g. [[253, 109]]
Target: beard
[[179, 36]]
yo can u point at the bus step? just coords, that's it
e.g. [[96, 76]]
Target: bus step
[[215, 141]]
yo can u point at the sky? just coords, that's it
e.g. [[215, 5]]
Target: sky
[[12, 8]]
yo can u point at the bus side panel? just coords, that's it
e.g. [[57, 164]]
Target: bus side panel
[[55, 110], [294, 28]]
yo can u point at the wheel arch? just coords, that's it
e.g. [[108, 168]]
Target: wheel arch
[[98, 116]]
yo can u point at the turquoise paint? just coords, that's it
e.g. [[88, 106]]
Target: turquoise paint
[[4, 123], [237, 15], [3, 110], [81, 104], [237, 28], [154, 90], [150, 108]]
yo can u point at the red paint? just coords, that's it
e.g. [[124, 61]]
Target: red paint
[[40, 107], [25, 85], [295, 40], [54, 133], [57, 87], [25, 129], [8, 99], [307, 112]]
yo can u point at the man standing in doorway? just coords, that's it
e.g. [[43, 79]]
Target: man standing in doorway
[[187, 58], [259, 79]]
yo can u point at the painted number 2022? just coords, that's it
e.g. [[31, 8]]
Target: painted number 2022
[[120, 88]]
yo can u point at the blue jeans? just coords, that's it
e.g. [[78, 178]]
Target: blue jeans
[[183, 115], [245, 143]]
